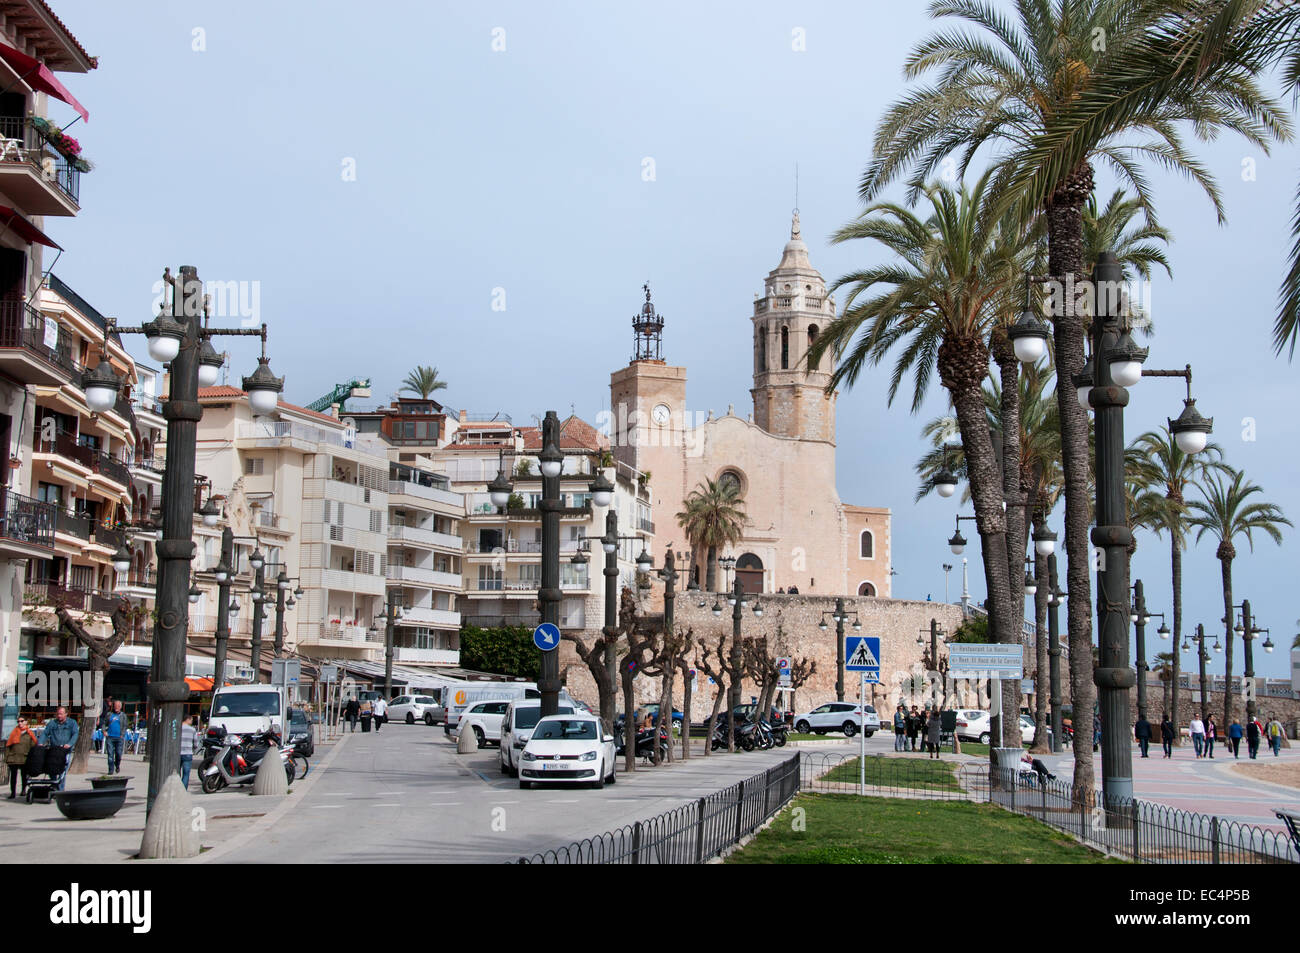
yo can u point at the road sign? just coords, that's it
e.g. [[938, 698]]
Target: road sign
[[286, 671], [547, 637], [862, 654], [783, 672], [1026, 686], [329, 673], [984, 660]]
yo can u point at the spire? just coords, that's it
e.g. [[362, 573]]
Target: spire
[[795, 255], [794, 227]]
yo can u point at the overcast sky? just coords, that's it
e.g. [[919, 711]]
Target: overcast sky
[[385, 172]]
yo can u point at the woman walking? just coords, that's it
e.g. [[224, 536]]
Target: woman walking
[[1234, 737], [18, 746], [1252, 737], [932, 729], [900, 728], [1211, 730]]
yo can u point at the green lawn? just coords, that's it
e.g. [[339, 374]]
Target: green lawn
[[913, 771], [847, 829]]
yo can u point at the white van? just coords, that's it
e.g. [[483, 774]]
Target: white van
[[244, 708], [517, 726], [457, 698]]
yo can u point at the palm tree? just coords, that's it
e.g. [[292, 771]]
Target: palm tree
[[1165, 474], [1226, 512], [714, 517], [1166, 669], [1011, 82], [938, 299], [423, 381]]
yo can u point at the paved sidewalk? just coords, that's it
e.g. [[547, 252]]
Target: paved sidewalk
[[39, 833]]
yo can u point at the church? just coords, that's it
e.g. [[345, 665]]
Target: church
[[800, 536]]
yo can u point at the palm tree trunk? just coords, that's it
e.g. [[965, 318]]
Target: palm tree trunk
[[1176, 565], [1042, 662], [1016, 517], [711, 570], [1065, 264], [1226, 565]]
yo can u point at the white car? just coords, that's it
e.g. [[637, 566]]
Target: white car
[[568, 749], [517, 724], [973, 725], [413, 708], [838, 716], [484, 720]]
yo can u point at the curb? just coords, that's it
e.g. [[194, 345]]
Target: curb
[[262, 824]]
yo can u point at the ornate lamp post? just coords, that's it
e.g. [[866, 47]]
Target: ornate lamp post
[[391, 614], [840, 617], [176, 338], [1054, 700]]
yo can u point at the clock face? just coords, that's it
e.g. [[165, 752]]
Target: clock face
[[660, 414]]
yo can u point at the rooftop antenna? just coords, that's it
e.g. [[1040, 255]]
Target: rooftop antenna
[[796, 188]]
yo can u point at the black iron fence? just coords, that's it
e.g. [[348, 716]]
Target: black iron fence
[[21, 141], [25, 519], [691, 834], [22, 326]]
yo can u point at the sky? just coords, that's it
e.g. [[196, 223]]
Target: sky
[[485, 188]]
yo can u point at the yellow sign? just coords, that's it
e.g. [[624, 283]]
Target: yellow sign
[[460, 697]]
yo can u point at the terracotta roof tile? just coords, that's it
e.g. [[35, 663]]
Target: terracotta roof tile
[[226, 392], [575, 434]]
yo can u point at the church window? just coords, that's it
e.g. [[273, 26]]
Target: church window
[[762, 350], [785, 349], [731, 479], [867, 545], [866, 589], [812, 339]]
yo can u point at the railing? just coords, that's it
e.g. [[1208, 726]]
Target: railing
[[436, 494], [78, 526], [110, 467], [691, 834], [147, 403], [22, 326], [422, 615], [31, 147], [428, 656], [528, 619], [284, 429], [85, 600], [645, 525], [111, 537], [26, 520]]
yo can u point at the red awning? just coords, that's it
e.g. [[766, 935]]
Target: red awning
[[24, 229], [38, 76], [198, 684]]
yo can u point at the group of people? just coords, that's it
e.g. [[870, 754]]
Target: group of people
[[352, 712], [1205, 734], [59, 737], [915, 725]]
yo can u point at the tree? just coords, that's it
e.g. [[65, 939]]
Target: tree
[[1226, 512], [1167, 670], [761, 666], [423, 381], [601, 659], [1165, 473], [1018, 83], [938, 299], [714, 517], [502, 650], [642, 654], [717, 666], [124, 618]]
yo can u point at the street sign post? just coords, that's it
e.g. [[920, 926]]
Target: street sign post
[[783, 672], [994, 661], [547, 637], [862, 654]]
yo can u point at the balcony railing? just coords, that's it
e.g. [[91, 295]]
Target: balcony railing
[[85, 600], [24, 143], [22, 326], [111, 467], [78, 526], [488, 621], [646, 526], [111, 537], [25, 519]]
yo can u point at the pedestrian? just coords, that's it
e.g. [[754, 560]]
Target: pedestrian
[[18, 746], [1275, 736], [352, 711], [900, 728], [1197, 728], [913, 724], [98, 740], [932, 729], [1096, 731], [1234, 737], [1142, 732], [1211, 733], [189, 746], [380, 711], [1252, 737], [60, 736], [115, 737], [1167, 733]]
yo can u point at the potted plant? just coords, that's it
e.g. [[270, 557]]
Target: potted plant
[[106, 781]]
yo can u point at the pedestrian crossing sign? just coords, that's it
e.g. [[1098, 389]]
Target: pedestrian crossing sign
[[862, 654]]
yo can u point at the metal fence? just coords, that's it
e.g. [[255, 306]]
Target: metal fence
[[690, 834]]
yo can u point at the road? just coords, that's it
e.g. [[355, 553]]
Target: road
[[403, 795]]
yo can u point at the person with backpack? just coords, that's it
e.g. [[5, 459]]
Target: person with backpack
[[1275, 736], [1252, 737], [351, 712]]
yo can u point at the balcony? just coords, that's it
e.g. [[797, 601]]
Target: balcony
[[343, 581], [68, 525], [274, 433], [337, 634], [427, 656], [26, 526], [424, 537], [432, 494], [645, 525], [427, 577], [39, 178], [111, 537], [419, 615], [487, 511], [83, 600], [110, 468], [29, 350]]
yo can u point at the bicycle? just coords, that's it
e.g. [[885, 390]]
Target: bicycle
[[300, 764]]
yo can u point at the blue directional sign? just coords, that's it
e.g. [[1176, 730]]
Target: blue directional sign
[[862, 654], [547, 637]]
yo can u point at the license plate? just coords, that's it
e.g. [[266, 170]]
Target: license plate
[[556, 766]]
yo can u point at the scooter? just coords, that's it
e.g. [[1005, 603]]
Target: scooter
[[233, 759]]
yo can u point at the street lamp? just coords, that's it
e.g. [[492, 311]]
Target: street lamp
[[957, 542], [839, 616], [1044, 541], [1054, 599], [1028, 335]]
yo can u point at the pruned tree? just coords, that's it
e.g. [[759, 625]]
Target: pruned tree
[[716, 664], [683, 664], [641, 656], [601, 659], [761, 665]]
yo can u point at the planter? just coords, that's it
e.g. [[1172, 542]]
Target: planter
[[90, 805], [110, 783]]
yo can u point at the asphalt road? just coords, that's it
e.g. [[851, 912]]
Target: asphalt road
[[403, 795]]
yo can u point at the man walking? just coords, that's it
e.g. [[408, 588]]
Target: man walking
[[1197, 729], [60, 737], [1252, 737], [1142, 732], [189, 744], [379, 708], [114, 736], [352, 711], [1167, 733], [1275, 736]]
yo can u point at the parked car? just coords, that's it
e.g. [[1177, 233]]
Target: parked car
[[568, 749], [838, 716], [973, 725], [484, 720], [301, 734], [517, 723], [413, 708]]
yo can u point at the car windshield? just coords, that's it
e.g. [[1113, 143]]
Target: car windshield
[[298, 719], [246, 704], [565, 729], [529, 717]]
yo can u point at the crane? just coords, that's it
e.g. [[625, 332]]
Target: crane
[[339, 395]]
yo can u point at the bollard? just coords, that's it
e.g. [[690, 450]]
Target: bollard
[[699, 832], [1137, 825], [169, 830], [466, 741], [271, 777]]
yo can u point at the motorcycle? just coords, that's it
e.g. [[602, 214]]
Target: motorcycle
[[644, 744], [231, 759], [780, 733]]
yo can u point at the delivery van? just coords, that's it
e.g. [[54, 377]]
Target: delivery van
[[244, 708]]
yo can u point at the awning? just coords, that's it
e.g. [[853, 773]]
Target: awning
[[198, 684], [24, 229], [38, 76]]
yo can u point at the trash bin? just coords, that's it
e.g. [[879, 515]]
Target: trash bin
[[365, 723]]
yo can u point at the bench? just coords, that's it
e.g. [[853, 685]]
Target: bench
[[1292, 821]]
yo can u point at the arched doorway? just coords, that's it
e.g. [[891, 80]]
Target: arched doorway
[[749, 570]]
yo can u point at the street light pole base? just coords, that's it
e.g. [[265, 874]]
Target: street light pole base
[[169, 832]]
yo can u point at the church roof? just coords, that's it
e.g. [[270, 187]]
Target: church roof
[[795, 255]]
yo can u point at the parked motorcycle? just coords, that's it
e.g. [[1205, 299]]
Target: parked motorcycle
[[231, 759], [645, 747], [780, 733]]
